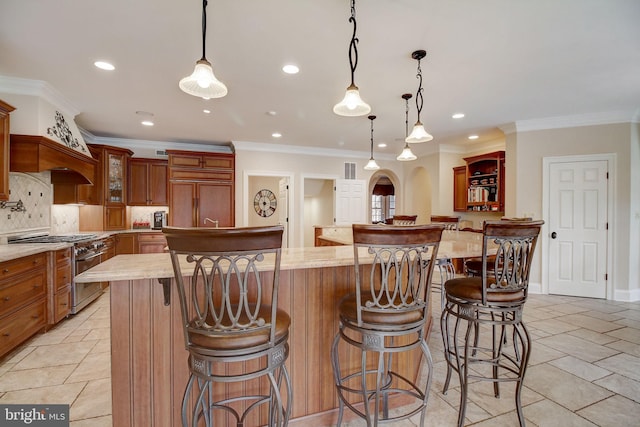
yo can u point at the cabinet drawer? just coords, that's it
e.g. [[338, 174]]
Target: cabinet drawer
[[62, 304], [21, 325], [185, 161], [14, 267], [151, 238], [200, 175], [63, 275], [63, 255], [217, 162], [21, 290]]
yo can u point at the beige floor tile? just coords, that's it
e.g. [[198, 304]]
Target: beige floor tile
[[552, 326], [104, 421], [577, 347], [481, 393], [590, 322], [623, 364], [57, 354], [98, 334], [59, 394], [627, 334], [621, 385], [549, 414], [630, 314], [566, 308], [580, 368], [540, 353], [629, 322], [626, 347], [566, 389], [615, 411], [35, 378], [103, 346], [592, 336], [94, 366], [94, 400]]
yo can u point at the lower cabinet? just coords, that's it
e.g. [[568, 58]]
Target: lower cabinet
[[150, 243], [126, 243], [23, 300], [60, 297]]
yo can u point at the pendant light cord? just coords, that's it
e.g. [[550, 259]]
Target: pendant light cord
[[353, 48], [204, 26], [419, 100], [406, 118], [371, 118]]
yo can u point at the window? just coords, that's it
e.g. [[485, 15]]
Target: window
[[376, 208]]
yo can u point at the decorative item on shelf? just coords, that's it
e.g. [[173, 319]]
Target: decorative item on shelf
[[419, 134], [407, 154], [202, 82], [352, 105], [140, 224], [372, 165]]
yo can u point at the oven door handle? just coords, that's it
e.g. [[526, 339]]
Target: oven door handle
[[90, 257]]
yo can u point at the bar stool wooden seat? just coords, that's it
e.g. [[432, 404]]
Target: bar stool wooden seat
[[494, 300], [386, 315], [227, 280]]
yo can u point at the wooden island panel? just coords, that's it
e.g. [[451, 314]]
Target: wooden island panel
[[149, 362]]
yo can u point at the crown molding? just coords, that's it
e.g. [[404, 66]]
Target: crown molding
[[310, 151], [40, 89], [578, 120]]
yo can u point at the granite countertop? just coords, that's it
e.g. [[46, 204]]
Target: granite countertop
[[19, 250], [454, 244]]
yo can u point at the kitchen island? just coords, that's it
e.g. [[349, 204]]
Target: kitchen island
[[149, 362]]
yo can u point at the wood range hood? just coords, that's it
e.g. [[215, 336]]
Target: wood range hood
[[32, 153]]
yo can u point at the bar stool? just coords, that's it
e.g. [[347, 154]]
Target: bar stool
[[386, 315], [495, 299], [404, 219], [445, 264], [227, 280]]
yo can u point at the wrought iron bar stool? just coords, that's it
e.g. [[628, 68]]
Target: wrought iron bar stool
[[445, 264], [386, 315], [493, 300], [227, 280]]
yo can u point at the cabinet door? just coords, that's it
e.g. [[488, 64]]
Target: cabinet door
[[126, 243], [114, 217], [158, 184], [460, 189], [5, 109], [115, 178], [215, 201], [182, 204], [138, 184]]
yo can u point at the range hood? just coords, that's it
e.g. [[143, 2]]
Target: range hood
[[31, 153]]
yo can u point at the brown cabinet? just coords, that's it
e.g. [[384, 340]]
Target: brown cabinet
[[60, 296], [147, 182], [23, 300], [109, 248], [482, 189], [149, 243], [201, 189], [126, 243], [5, 109], [109, 189]]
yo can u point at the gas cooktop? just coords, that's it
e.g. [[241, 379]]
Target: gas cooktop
[[70, 238]]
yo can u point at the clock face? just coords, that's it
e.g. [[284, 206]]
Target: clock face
[[265, 203]]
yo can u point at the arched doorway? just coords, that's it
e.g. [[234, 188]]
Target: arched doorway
[[384, 191]]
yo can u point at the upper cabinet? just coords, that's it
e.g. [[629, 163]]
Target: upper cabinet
[[5, 109], [482, 189], [147, 182], [201, 189]]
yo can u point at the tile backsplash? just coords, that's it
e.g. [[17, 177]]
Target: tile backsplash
[[65, 219], [36, 193]]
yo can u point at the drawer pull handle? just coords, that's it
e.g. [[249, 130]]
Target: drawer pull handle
[[6, 270], [64, 304], [35, 316], [7, 298], [6, 334]]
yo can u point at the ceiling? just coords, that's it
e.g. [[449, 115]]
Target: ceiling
[[497, 61]]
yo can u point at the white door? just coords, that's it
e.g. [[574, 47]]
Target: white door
[[283, 205], [578, 228], [350, 201]]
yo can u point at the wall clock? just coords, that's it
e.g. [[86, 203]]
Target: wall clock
[[265, 203]]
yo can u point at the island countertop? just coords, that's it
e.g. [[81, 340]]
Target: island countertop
[[454, 244]]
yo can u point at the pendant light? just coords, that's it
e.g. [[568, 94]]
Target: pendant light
[[419, 134], [372, 165], [352, 105], [202, 82], [406, 155]]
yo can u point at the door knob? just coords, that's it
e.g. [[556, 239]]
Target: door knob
[[554, 235]]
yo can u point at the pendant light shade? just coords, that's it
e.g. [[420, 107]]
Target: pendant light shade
[[371, 165], [352, 105], [202, 82], [406, 155], [419, 134]]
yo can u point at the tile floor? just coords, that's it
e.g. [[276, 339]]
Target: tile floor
[[584, 369]]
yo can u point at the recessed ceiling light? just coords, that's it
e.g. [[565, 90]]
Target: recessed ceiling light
[[457, 116], [276, 134], [271, 113], [147, 122], [290, 69], [382, 145], [103, 65], [473, 137], [206, 111], [146, 118]]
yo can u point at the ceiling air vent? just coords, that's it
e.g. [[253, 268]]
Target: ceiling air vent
[[349, 170], [161, 153]]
